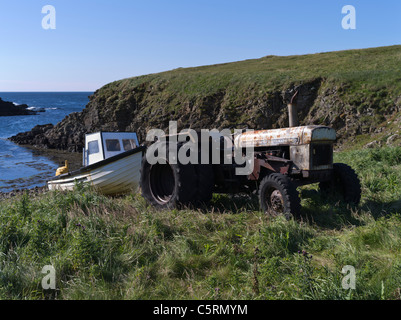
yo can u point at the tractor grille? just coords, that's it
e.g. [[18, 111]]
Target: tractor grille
[[322, 154]]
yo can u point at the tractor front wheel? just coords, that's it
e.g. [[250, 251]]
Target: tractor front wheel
[[344, 184], [279, 196]]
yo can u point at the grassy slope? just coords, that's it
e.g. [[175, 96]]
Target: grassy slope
[[104, 248], [370, 75], [361, 88], [365, 68]]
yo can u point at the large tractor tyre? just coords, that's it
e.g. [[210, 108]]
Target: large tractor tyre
[[168, 185], [344, 183], [279, 196]]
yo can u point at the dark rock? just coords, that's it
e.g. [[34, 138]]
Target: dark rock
[[35, 137], [66, 135], [10, 109]]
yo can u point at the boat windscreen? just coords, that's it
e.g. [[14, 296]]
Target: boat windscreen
[[113, 145], [93, 147], [129, 144]]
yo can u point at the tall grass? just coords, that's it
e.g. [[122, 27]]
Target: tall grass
[[120, 248]]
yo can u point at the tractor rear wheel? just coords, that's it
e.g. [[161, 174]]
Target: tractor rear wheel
[[176, 185], [167, 186]]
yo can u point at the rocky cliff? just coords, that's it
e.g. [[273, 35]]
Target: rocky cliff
[[10, 109], [358, 92]]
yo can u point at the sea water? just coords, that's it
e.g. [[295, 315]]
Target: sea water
[[22, 167]]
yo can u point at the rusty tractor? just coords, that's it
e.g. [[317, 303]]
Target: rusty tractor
[[283, 159]]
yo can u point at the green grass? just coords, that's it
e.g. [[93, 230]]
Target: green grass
[[369, 76], [120, 248]]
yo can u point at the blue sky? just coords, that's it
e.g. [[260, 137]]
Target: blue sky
[[96, 41]]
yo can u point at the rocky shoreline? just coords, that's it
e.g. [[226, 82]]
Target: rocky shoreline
[[19, 192], [10, 109], [33, 137], [59, 157], [67, 135]]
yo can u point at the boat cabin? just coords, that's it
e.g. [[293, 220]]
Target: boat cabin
[[103, 145]]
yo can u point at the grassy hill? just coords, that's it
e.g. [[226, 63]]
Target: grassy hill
[[119, 248], [358, 92], [352, 90]]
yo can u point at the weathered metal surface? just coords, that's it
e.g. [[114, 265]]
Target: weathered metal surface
[[323, 134], [271, 163], [284, 137], [305, 159], [292, 115], [301, 156]]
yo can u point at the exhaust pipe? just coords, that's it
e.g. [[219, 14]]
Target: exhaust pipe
[[293, 112]]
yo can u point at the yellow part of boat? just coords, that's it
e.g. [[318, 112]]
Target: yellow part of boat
[[62, 170]]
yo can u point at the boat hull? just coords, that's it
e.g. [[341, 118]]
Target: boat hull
[[110, 177]]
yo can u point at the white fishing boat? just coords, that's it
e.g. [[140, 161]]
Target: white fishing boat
[[111, 164]]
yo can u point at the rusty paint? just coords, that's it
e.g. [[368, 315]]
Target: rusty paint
[[254, 176], [271, 163], [284, 137]]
